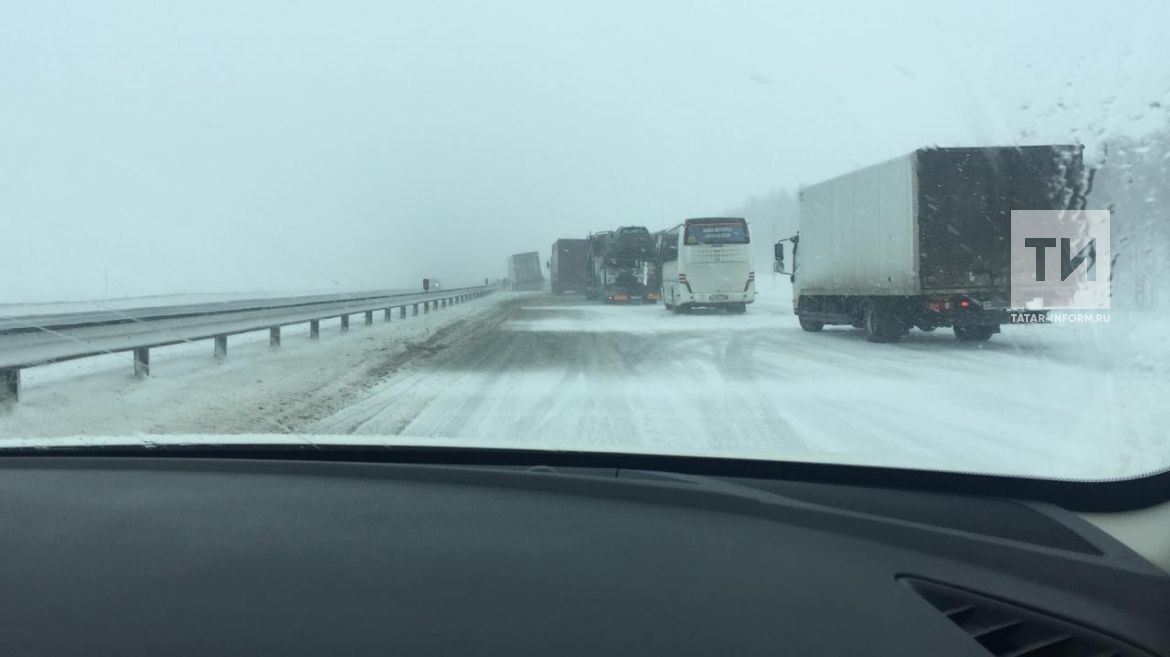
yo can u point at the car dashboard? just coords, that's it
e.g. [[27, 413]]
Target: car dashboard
[[197, 556]]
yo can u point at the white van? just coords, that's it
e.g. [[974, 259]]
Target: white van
[[707, 262]]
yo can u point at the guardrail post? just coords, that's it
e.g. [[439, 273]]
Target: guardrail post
[[142, 362], [386, 314], [314, 329], [274, 336], [220, 347], [369, 318], [415, 311], [402, 312], [10, 385], [345, 323]]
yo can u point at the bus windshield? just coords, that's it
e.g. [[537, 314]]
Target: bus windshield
[[722, 231]]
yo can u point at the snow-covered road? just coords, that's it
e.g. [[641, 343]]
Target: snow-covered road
[[557, 373], [536, 371]]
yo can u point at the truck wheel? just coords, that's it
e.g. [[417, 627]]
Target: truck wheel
[[682, 309], [737, 308], [880, 324], [811, 325], [974, 333]]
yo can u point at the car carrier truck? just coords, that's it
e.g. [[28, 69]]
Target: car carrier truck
[[616, 261], [922, 240]]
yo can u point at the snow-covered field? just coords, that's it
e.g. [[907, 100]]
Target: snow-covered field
[[8, 310], [533, 371]]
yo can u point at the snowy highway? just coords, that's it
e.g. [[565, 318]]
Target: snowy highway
[[531, 370], [559, 373]]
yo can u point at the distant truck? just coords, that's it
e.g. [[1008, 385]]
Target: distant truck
[[568, 266], [524, 272], [922, 240], [617, 261]]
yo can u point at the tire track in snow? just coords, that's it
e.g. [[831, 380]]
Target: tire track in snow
[[557, 373]]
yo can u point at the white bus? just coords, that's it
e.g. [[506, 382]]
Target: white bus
[[707, 262]]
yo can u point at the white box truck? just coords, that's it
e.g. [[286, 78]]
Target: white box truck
[[923, 240]]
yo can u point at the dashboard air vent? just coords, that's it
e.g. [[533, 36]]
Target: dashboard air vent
[[1006, 630]]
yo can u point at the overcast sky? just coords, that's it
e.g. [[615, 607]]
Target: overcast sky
[[152, 147]]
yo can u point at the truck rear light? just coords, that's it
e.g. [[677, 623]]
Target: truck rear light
[[937, 305], [682, 278], [964, 303]]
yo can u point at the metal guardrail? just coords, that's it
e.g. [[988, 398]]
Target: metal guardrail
[[28, 341]]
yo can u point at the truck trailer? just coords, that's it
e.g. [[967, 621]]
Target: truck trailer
[[524, 272], [923, 240], [568, 266]]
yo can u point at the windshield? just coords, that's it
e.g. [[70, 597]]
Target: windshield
[[232, 219]]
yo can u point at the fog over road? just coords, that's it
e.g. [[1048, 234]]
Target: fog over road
[[562, 373]]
